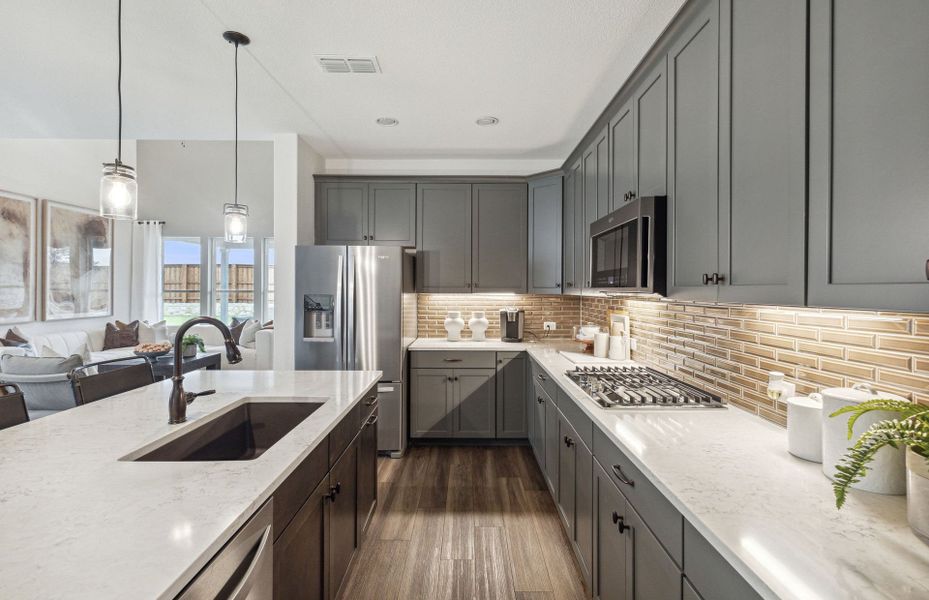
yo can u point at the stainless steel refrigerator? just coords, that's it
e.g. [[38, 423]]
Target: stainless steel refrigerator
[[356, 311]]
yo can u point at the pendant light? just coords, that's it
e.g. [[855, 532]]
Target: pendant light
[[119, 190], [235, 215]]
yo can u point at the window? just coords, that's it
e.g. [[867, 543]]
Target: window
[[181, 296], [234, 280], [269, 279]]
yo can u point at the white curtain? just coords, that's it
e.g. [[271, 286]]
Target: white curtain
[[147, 271]]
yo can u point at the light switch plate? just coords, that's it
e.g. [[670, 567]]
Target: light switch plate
[[549, 326]]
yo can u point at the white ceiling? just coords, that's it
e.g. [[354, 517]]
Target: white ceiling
[[545, 68]]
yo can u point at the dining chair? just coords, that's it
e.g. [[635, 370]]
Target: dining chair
[[12, 406], [99, 380]]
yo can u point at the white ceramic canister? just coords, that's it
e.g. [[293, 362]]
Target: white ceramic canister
[[805, 427], [478, 325], [619, 347], [887, 472], [601, 344], [453, 326]]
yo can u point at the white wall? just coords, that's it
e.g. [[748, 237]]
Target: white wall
[[69, 171], [295, 162], [186, 183]]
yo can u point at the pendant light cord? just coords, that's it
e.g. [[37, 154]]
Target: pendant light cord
[[119, 80], [236, 189]]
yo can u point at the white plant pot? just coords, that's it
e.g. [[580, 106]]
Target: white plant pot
[[478, 325], [453, 326], [189, 351], [917, 489]]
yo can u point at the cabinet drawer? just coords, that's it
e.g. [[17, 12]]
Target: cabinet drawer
[[657, 511], [538, 374], [290, 495], [710, 573], [453, 359], [576, 417], [347, 429]]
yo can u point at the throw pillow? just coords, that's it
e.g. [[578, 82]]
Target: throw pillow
[[236, 329], [14, 338], [248, 332], [83, 352], [151, 333], [121, 335], [268, 325]]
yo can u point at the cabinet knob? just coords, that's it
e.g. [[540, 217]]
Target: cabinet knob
[[717, 278], [540, 400], [557, 285], [568, 441], [706, 279], [571, 283], [371, 237], [477, 284], [364, 237], [450, 379], [468, 285]]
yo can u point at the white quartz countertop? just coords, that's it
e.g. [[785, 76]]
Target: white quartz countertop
[[76, 522], [771, 515]]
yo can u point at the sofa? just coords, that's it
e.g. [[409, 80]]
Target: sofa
[[258, 356]]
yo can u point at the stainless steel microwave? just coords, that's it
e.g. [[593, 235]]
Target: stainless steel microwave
[[628, 248]]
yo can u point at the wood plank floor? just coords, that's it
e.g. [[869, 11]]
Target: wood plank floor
[[464, 523]]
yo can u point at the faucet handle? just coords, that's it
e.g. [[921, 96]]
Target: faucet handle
[[190, 396]]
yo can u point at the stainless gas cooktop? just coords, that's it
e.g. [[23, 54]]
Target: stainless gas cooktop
[[636, 387]]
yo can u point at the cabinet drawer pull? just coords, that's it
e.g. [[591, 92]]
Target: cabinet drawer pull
[[568, 441], [370, 400], [372, 420], [540, 400], [618, 471], [541, 377], [451, 359]]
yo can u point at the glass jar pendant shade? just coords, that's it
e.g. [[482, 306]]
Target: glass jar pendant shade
[[236, 223], [119, 192]]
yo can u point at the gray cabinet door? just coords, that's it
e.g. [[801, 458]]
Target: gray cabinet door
[[762, 213], [869, 155], [512, 421], [342, 516], [622, 156], [612, 550], [545, 229], [392, 214], [567, 457], [443, 256], [552, 446], [567, 235], [689, 593], [499, 237], [654, 574], [475, 408], [596, 190], [431, 403], [343, 212], [583, 510], [651, 140], [693, 194], [539, 405], [581, 229]]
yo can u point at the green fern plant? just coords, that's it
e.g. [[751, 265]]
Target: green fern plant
[[910, 428]]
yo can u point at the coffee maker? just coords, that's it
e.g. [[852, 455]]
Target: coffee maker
[[511, 324]]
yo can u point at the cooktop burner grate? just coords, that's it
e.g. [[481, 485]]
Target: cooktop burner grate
[[633, 387]]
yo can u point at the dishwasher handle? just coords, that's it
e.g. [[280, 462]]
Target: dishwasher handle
[[261, 562]]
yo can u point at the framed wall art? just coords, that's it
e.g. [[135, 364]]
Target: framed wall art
[[18, 233], [78, 263]]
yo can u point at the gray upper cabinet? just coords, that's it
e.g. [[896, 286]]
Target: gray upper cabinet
[[568, 273], [651, 126], [693, 198], [392, 214], [500, 240], [869, 155], [581, 229], [545, 228], [762, 212], [622, 156], [443, 257], [342, 212], [596, 190]]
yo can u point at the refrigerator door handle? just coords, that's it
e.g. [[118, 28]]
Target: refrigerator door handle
[[337, 318], [350, 338]]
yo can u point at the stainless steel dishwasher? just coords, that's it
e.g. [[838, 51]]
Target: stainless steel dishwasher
[[243, 569]]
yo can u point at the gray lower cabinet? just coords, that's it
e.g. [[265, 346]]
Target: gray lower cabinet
[[612, 553], [342, 212], [510, 379], [475, 411], [499, 237], [367, 473], [693, 157], [431, 403], [545, 230], [366, 213], [708, 574], [688, 592], [552, 443], [654, 574], [568, 272], [584, 511], [869, 155], [343, 516], [443, 257], [539, 403], [762, 213], [392, 214], [567, 459]]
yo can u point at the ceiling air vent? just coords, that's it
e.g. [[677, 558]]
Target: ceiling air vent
[[348, 64]]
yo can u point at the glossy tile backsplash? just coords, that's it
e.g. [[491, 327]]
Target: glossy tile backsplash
[[563, 310], [729, 348]]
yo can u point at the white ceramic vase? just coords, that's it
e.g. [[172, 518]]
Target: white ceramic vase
[[917, 492], [478, 324], [453, 326]]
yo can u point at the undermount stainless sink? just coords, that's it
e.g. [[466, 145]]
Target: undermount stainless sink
[[241, 433]]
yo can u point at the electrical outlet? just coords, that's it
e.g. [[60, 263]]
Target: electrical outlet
[[549, 325]]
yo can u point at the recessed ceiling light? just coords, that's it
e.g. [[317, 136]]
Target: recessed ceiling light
[[387, 121], [485, 121]]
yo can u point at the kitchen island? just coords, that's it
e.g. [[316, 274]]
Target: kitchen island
[[768, 514], [79, 521]]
